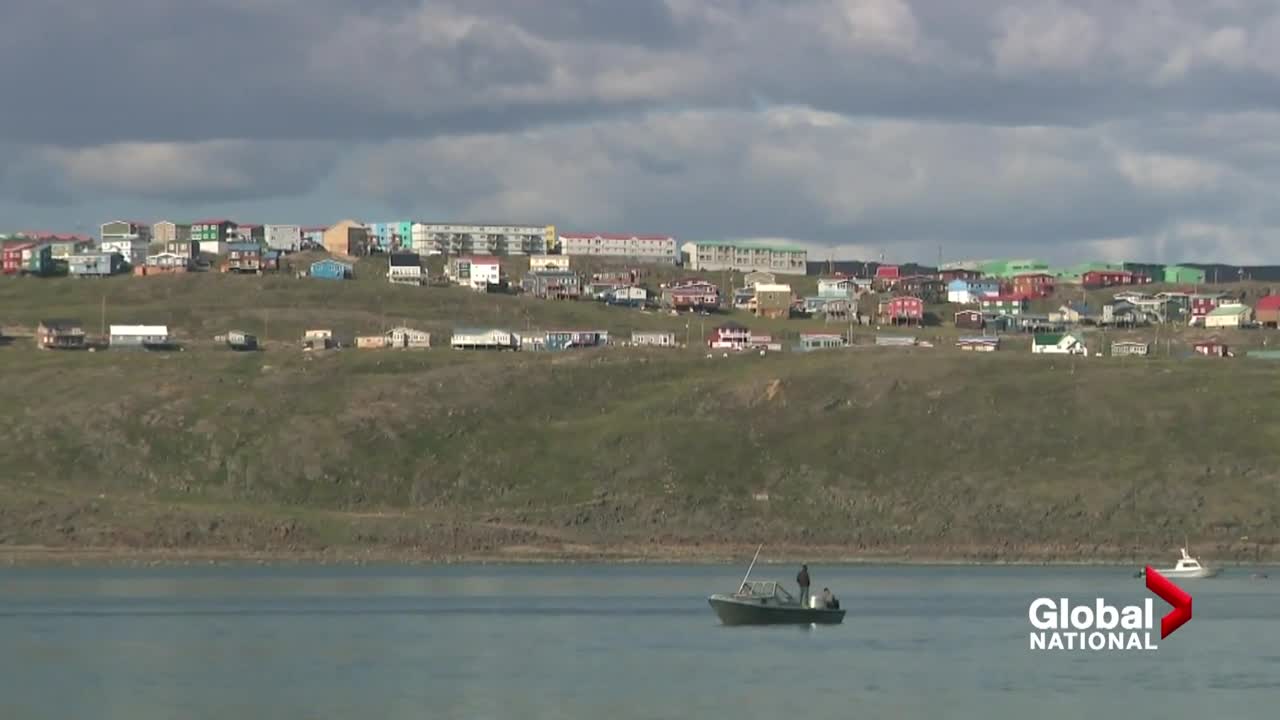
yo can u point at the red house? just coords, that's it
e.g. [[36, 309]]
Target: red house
[[12, 257], [902, 310], [1212, 348], [1109, 278], [888, 272], [1202, 305], [1033, 285], [1267, 310]]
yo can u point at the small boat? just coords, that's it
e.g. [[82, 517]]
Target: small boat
[[1189, 567], [766, 602]]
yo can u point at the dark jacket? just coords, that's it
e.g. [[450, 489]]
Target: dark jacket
[[802, 579]]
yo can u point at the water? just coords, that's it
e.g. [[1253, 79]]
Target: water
[[615, 642]]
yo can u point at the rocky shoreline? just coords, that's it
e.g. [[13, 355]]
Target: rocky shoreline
[[36, 555]]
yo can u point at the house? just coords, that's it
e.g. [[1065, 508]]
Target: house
[[12, 257], [1058, 344], [60, 335], [129, 238], [653, 338], [212, 236], [330, 269], [902, 310], [745, 298], [970, 319], [1183, 275], [491, 339], [64, 246], [887, 275], [568, 339], [188, 249], [895, 341], [552, 284], [692, 295], [926, 287], [1212, 348], [950, 275], [166, 263], [1204, 303], [978, 344], [773, 301], [1033, 323], [35, 259], [1122, 348], [139, 337], [477, 272], [372, 342], [601, 291], [1033, 285], [630, 295], [243, 257], [836, 287], [548, 262], [829, 308], [347, 238], [1109, 278], [969, 292], [95, 264], [732, 336], [1122, 313], [1267, 310], [240, 341], [404, 268], [318, 340], [759, 277], [1229, 315], [1004, 304], [285, 238], [249, 233], [408, 338], [167, 231], [821, 341], [1073, 313], [390, 237]]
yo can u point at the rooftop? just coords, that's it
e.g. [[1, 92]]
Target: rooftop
[[752, 244]]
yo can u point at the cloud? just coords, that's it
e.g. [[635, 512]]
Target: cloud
[[211, 171], [1049, 127]]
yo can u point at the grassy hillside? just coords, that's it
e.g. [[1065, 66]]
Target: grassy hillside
[[866, 452]]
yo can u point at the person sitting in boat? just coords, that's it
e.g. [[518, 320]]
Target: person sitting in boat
[[829, 601]]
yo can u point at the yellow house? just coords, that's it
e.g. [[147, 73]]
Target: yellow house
[[347, 238]]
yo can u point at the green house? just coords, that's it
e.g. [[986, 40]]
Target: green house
[[1183, 275]]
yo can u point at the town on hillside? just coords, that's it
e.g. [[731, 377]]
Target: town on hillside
[[981, 303]]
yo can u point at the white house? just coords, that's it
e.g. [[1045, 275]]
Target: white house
[[492, 339], [404, 269], [629, 295], [475, 271], [404, 337], [1128, 347], [1058, 344], [654, 338], [138, 336], [286, 238], [1232, 315], [548, 262]]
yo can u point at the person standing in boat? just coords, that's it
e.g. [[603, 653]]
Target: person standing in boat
[[802, 579]]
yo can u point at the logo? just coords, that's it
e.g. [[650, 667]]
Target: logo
[[1061, 625]]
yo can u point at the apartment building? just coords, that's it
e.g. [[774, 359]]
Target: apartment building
[[463, 239], [744, 256], [641, 248]]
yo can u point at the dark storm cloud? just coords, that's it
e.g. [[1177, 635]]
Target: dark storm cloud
[[1015, 124]]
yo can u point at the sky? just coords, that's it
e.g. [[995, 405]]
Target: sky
[[1139, 130]]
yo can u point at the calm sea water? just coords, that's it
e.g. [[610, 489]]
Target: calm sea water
[[615, 642]]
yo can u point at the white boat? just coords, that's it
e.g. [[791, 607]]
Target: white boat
[[1188, 567]]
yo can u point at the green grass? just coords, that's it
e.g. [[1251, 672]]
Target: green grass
[[954, 453]]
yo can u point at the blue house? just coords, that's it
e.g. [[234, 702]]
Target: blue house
[[331, 269], [968, 292]]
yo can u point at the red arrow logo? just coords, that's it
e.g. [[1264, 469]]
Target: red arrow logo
[[1173, 595]]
